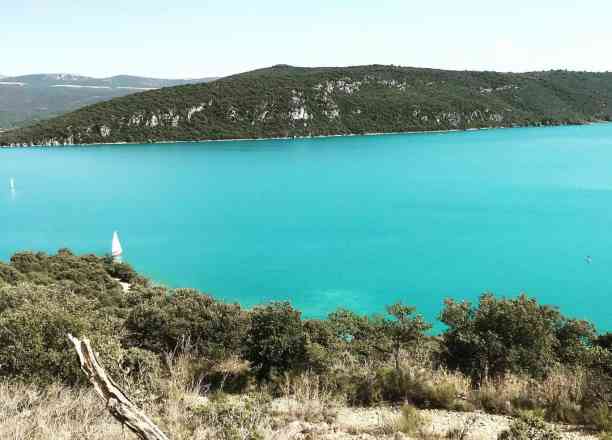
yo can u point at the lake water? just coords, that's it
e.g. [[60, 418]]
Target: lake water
[[357, 222]]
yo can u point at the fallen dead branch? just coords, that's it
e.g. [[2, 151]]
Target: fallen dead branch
[[118, 404]]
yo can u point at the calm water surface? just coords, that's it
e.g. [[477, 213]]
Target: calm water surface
[[357, 222]]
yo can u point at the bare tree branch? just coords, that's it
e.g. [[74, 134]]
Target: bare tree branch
[[118, 404]]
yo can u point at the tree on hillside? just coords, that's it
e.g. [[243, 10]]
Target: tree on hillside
[[517, 335], [276, 338], [403, 329]]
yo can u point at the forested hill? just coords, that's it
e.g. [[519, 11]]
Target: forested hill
[[30, 98], [289, 101]]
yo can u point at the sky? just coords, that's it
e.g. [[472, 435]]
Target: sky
[[200, 38]]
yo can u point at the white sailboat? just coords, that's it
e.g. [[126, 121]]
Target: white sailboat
[[12, 184], [116, 250]]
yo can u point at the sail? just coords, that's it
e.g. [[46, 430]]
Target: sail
[[12, 183], [116, 250]]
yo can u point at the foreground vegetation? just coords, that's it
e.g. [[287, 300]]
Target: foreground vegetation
[[284, 101], [207, 369]]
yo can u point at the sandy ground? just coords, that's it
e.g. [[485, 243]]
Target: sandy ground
[[368, 423]]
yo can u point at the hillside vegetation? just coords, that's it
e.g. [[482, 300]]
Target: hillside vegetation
[[212, 370], [28, 98], [289, 101]]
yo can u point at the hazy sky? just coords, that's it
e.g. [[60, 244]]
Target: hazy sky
[[196, 38]]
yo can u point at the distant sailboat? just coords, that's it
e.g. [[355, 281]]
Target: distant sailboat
[[116, 250], [12, 184]]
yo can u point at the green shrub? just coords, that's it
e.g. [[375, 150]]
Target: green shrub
[[233, 420], [378, 338], [119, 270], [359, 386], [528, 427], [33, 342], [405, 385], [10, 275], [34, 324], [599, 417], [186, 318], [276, 339], [561, 411], [511, 336], [492, 402]]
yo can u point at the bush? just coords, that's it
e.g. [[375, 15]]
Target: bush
[[378, 337], [33, 329], [359, 386], [189, 319], [409, 421], [10, 275], [528, 427], [85, 275], [34, 323], [599, 417], [417, 388], [511, 336], [277, 340], [46, 298], [570, 413], [224, 419], [121, 271]]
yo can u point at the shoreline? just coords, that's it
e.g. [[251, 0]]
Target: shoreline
[[324, 136]]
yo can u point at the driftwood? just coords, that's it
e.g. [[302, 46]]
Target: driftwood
[[118, 404]]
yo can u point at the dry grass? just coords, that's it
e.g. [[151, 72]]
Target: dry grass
[[409, 421], [511, 393], [30, 413], [306, 398], [182, 406]]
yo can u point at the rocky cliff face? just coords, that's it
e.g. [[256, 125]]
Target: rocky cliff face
[[302, 102]]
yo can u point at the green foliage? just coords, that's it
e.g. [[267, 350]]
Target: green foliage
[[187, 319], [234, 420], [563, 411], [122, 271], [40, 99], [403, 329], [360, 99], [86, 276], [10, 275], [599, 417], [377, 337], [367, 387], [511, 335], [399, 385], [276, 339], [34, 322], [528, 427], [205, 342]]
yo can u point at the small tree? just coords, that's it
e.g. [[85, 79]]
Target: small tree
[[405, 328], [276, 338], [517, 335]]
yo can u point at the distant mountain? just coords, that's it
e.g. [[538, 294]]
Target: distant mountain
[[293, 101], [28, 98]]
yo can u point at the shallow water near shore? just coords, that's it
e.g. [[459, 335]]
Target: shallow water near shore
[[355, 222]]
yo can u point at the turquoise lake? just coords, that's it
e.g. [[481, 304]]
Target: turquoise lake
[[357, 222]]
